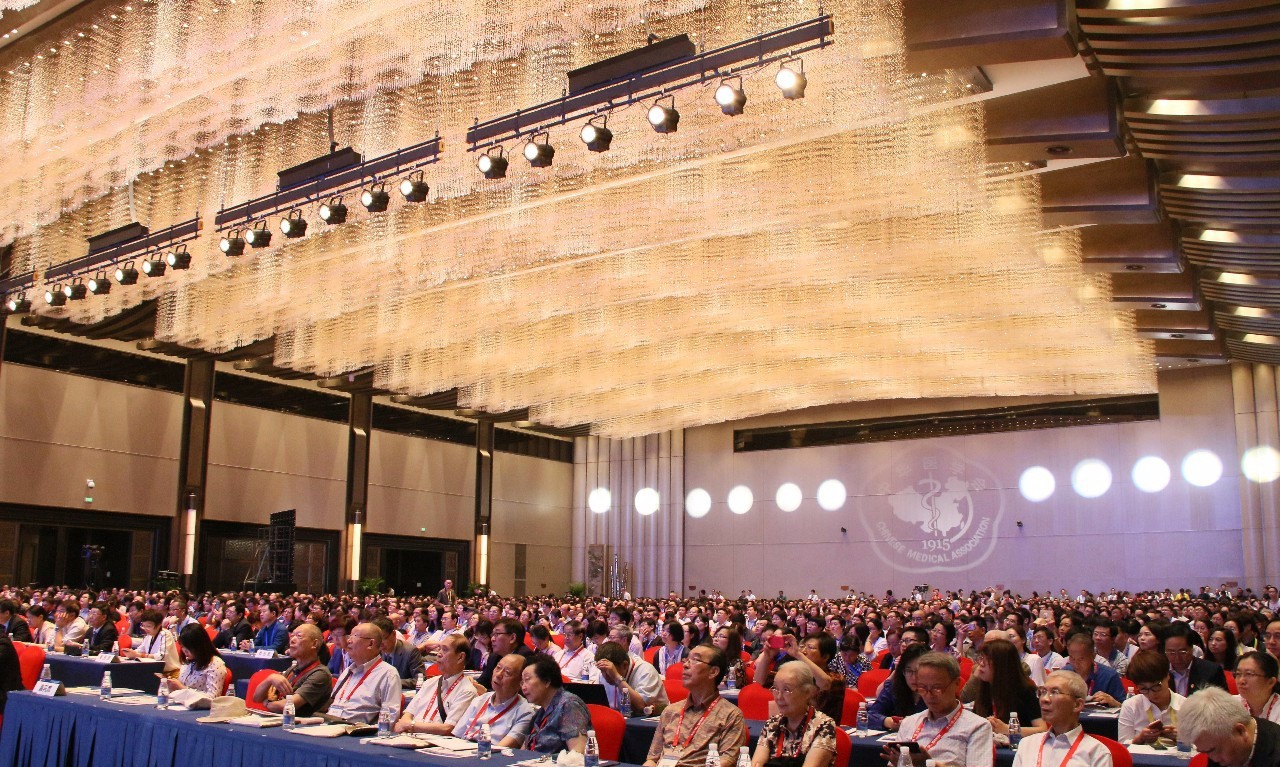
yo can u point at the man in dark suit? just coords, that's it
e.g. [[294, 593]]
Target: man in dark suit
[[102, 634], [271, 635], [447, 595], [1187, 673], [12, 624], [239, 631], [401, 655], [1220, 727]]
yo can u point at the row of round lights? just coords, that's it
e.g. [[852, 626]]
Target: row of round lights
[[78, 288], [831, 497], [662, 115]]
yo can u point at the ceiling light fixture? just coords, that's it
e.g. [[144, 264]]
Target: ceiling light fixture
[[375, 198], [154, 267], [293, 225], [730, 96], [493, 163], [333, 212], [259, 236], [126, 274], [539, 153], [597, 137], [76, 289], [664, 118], [232, 244], [178, 258], [54, 296], [19, 304], [100, 285], [414, 188], [791, 79]]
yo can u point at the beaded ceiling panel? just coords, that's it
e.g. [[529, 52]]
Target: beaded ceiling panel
[[850, 245]]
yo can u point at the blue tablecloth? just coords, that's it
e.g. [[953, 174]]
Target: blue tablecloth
[[74, 671], [82, 731], [244, 665]]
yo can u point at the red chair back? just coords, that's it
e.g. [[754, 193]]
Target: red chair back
[[651, 655], [871, 680], [844, 746], [126, 642], [226, 682], [754, 701], [1120, 756], [1231, 683], [849, 714], [875, 662], [433, 670], [212, 632], [675, 672], [675, 690], [1199, 760], [558, 639], [610, 727], [30, 663], [1129, 687], [966, 670], [255, 682]]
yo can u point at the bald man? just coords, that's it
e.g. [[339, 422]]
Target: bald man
[[307, 682]]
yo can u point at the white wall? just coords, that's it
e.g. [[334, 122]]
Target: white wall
[[1180, 536], [56, 430]]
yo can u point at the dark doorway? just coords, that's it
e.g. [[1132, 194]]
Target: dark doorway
[[56, 554], [413, 572]]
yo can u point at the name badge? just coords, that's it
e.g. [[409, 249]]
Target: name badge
[[105, 657], [265, 654], [669, 758], [49, 688]]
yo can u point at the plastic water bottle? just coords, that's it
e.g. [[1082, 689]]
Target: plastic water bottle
[[48, 646], [904, 756], [484, 743], [1015, 729], [115, 648], [384, 722], [46, 673], [713, 755], [162, 694], [864, 723], [289, 720], [591, 754], [624, 703], [586, 673], [105, 689], [731, 680], [744, 756], [418, 680]]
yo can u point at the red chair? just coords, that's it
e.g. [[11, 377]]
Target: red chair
[[675, 690], [966, 670], [870, 681], [844, 746], [1199, 760], [849, 713], [212, 632], [754, 701], [558, 639], [1120, 756], [203, 620], [1231, 683], [651, 655], [1129, 687], [30, 663], [748, 673], [675, 672], [255, 682], [610, 727], [433, 670], [226, 683], [126, 641], [879, 657]]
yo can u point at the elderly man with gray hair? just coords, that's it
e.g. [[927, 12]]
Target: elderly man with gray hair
[[1220, 727], [1065, 743]]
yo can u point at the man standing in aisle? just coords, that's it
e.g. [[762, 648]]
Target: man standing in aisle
[[447, 596]]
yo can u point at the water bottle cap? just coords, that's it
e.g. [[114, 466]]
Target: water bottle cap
[[591, 733]]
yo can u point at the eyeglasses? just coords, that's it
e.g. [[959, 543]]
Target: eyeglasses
[[694, 659], [1051, 692], [1250, 675], [782, 691], [932, 689], [1149, 689], [1179, 653], [500, 633]]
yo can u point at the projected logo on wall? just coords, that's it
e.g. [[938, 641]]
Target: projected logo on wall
[[926, 513]]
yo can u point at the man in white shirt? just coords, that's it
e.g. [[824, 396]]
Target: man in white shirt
[[577, 660], [439, 705], [506, 712], [1065, 743], [369, 684], [1042, 645], [624, 674], [947, 733], [70, 627]]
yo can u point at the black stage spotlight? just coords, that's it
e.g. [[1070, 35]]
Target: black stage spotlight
[[126, 274], [539, 153], [413, 188], [232, 244], [178, 258], [730, 96], [597, 137], [791, 79], [333, 211], [153, 267], [493, 165], [664, 119], [259, 236], [54, 296], [19, 304], [76, 290], [293, 225], [375, 198], [100, 285]]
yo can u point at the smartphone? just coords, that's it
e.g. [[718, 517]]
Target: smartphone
[[911, 745], [775, 641]]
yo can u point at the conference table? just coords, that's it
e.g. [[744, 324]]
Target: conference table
[[83, 731], [245, 664], [77, 671]]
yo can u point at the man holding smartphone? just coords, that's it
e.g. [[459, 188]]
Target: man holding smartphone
[[945, 731]]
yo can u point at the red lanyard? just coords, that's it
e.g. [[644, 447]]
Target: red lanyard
[[431, 707], [363, 677], [293, 680], [675, 742], [782, 732], [569, 660], [938, 737], [1065, 759], [471, 728]]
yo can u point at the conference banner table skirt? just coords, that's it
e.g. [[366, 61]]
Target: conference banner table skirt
[[75, 671]]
